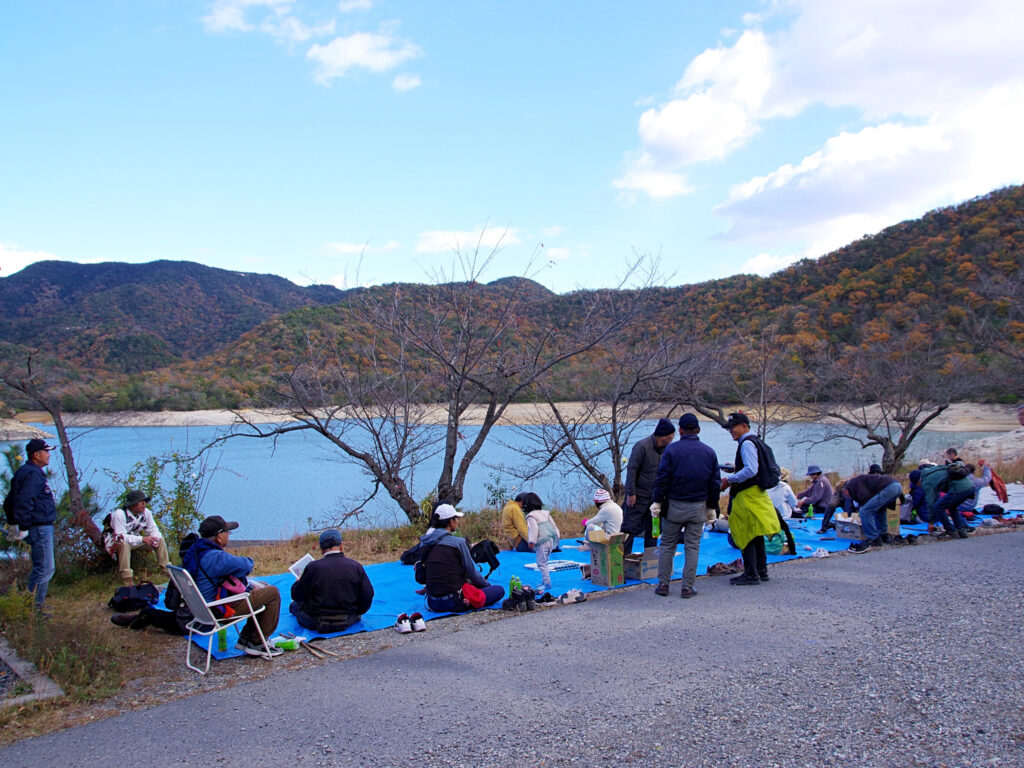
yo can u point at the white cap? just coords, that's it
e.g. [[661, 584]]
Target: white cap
[[446, 512]]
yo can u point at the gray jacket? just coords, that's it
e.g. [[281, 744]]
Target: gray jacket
[[642, 470]]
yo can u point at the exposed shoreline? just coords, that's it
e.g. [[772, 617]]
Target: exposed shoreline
[[959, 417]]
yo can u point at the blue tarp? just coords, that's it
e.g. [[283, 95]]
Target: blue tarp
[[395, 588]]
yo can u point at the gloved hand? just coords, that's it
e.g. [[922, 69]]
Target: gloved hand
[[656, 509]]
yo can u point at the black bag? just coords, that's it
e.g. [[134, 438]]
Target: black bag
[[485, 551], [411, 555], [992, 509], [420, 569], [768, 473], [957, 470], [134, 598]]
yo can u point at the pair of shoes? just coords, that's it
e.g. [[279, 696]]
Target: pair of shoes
[[530, 598], [516, 601], [743, 580], [403, 624], [860, 547], [572, 596], [546, 599], [687, 592], [661, 590], [256, 649], [417, 622]]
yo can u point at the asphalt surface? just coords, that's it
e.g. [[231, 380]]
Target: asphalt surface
[[900, 657]]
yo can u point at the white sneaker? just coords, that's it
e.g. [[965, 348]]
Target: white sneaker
[[418, 624], [257, 649], [403, 624]]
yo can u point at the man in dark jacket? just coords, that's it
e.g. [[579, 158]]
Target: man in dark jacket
[[688, 482], [448, 566], [210, 565], [333, 592], [33, 510], [640, 473], [873, 493]]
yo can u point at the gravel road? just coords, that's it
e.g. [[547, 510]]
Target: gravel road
[[901, 657]]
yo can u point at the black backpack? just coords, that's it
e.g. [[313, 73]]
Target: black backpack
[[485, 551], [134, 598], [957, 470], [411, 555], [768, 474]]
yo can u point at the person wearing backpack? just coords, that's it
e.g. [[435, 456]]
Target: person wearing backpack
[[542, 536], [446, 567], [132, 527], [753, 515], [873, 493], [953, 481], [30, 506]]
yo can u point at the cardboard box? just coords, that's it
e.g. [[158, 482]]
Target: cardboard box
[[640, 566], [847, 529], [606, 558]]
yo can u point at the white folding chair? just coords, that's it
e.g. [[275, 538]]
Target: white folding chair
[[204, 622]]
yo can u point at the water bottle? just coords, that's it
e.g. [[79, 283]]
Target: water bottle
[[222, 640], [656, 527]]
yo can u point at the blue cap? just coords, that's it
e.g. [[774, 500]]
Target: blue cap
[[688, 421], [814, 469], [330, 538], [664, 428]]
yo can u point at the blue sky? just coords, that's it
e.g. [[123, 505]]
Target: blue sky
[[366, 141]]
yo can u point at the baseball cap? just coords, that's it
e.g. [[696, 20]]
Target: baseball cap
[[447, 512], [213, 525], [688, 421], [736, 418], [330, 538], [35, 444]]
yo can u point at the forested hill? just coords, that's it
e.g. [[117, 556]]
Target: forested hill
[[129, 317], [195, 337]]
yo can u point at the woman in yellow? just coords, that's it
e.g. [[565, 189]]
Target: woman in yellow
[[513, 524], [753, 515]]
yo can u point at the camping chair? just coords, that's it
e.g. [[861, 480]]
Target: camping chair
[[204, 622]]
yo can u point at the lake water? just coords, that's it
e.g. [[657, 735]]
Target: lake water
[[279, 490]]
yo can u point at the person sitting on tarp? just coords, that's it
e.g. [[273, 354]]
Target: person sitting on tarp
[[333, 592], [513, 524], [872, 493], [608, 517], [819, 495], [446, 568]]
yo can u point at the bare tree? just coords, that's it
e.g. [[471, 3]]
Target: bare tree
[[25, 379], [885, 390]]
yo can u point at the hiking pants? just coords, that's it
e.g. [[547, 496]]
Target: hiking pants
[[686, 517], [267, 619], [872, 513], [949, 504], [755, 559]]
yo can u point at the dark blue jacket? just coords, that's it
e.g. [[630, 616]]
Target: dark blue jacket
[[210, 565], [688, 472], [33, 499], [334, 584]]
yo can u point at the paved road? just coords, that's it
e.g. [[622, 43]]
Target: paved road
[[903, 657]]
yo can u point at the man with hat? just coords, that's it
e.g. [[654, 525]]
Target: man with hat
[[448, 567], [752, 515], [132, 527], [210, 566], [333, 592], [687, 484], [31, 507], [819, 495], [640, 473]]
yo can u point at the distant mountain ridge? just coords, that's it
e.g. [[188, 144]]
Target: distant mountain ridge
[[178, 335]]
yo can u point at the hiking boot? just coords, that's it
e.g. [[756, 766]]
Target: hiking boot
[[744, 581], [514, 602], [252, 648], [529, 598], [661, 590], [123, 619], [687, 592]]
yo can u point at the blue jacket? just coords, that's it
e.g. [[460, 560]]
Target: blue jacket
[[688, 472], [33, 499], [209, 565]]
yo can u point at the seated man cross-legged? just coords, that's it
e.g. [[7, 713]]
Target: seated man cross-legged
[[333, 592]]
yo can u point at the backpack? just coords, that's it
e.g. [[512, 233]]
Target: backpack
[[411, 555], [992, 509], [768, 473], [134, 598], [957, 470], [485, 551], [420, 568]]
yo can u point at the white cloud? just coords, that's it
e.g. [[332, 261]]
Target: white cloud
[[553, 231], [406, 82], [14, 258], [292, 30], [765, 263], [657, 184], [347, 6], [366, 50], [442, 241], [230, 15], [350, 248], [557, 254]]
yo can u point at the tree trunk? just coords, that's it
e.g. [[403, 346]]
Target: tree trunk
[[79, 515]]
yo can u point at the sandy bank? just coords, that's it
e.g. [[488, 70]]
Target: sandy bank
[[959, 417]]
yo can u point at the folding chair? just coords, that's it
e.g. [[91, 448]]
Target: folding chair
[[204, 623]]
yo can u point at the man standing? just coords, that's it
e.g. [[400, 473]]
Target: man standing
[[686, 485], [873, 493], [640, 473], [752, 515], [210, 566], [333, 592], [32, 509], [133, 527]]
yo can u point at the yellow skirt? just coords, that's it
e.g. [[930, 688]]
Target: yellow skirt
[[753, 514]]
